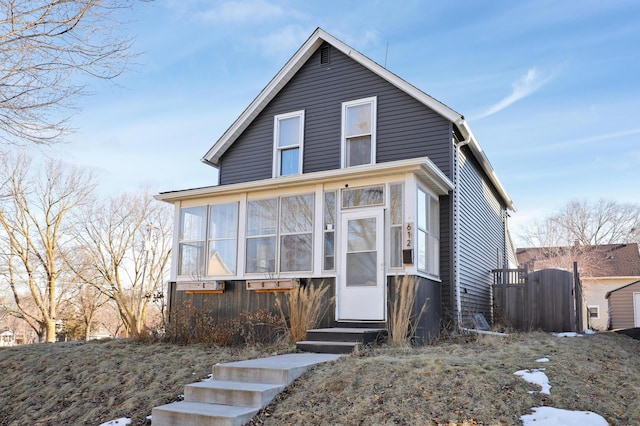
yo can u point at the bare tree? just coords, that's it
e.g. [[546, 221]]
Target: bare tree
[[49, 49], [35, 220], [586, 224], [127, 242]]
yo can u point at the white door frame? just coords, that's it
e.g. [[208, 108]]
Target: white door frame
[[362, 302]]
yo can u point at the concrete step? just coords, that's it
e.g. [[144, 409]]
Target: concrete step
[[364, 336], [278, 370], [232, 393], [237, 392], [185, 413], [318, 346]]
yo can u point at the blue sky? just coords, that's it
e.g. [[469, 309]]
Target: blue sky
[[551, 89]]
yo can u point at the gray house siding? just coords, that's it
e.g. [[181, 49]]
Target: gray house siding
[[621, 312], [236, 300], [405, 127], [482, 239]]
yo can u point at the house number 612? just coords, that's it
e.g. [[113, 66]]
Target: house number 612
[[408, 236]]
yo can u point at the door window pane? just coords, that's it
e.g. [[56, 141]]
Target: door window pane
[[361, 234], [361, 269]]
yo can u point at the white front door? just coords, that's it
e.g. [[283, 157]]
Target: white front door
[[636, 309], [361, 285]]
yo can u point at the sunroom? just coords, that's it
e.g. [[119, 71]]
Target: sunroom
[[351, 227]]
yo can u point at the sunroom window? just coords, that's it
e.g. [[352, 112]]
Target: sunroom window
[[288, 141], [428, 235], [280, 234], [359, 132], [212, 230]]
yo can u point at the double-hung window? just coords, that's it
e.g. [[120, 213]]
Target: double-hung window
[[208, 240], [288, 135], [280, 234], [359, 132], [427, 233]]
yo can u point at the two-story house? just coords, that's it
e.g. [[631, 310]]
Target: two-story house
[[342, 172]]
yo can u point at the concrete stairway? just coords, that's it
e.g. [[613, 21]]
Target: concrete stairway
[[340, 340], [237, 391]]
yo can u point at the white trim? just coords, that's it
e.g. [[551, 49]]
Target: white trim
[[277, 164], [429, 173], [373, 101], [636, 309]]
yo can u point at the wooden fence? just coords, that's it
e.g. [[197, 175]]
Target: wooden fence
[[546, 300]]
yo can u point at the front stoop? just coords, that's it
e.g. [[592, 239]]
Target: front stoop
[[237, 391], [340, 340]]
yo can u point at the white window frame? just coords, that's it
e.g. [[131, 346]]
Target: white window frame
[[278, 235], [597, 307], [204, 239], [430, 233], [277, 150], [345, 106]]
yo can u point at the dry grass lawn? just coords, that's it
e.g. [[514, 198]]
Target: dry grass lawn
[[457, 381]]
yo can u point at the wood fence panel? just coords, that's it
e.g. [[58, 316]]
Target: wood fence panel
[[546, 301]]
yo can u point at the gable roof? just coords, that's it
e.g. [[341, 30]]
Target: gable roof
[[605, 260], [319, 36], [620, 288]]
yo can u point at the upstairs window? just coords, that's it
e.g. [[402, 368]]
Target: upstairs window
[[359, 132], [288, 133]]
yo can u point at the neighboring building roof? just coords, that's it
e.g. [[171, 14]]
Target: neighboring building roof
[[319, 36], [606, 260], [620, 288]]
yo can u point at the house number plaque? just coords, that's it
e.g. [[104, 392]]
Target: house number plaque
[[408, 236]]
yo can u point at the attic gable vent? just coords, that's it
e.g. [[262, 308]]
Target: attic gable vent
[[324, 55]]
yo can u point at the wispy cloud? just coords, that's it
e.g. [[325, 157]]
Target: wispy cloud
[[285, 40], [242, 12], [529, 83]]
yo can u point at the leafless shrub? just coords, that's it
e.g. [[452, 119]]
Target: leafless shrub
[[403, 321], [305, 308], [262, 327], [189, 325]]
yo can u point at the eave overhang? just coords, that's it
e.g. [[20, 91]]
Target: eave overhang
[[424, 168]]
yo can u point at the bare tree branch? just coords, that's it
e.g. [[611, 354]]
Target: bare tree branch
[[48, 52]]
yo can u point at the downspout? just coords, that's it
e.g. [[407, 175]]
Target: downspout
[[457, 179]]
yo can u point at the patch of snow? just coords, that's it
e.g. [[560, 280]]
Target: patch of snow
[[549, 416], [589, 331], [149, 417], [545, 359], [118, 422], [567, 334], [208, 378], [537, 377]]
